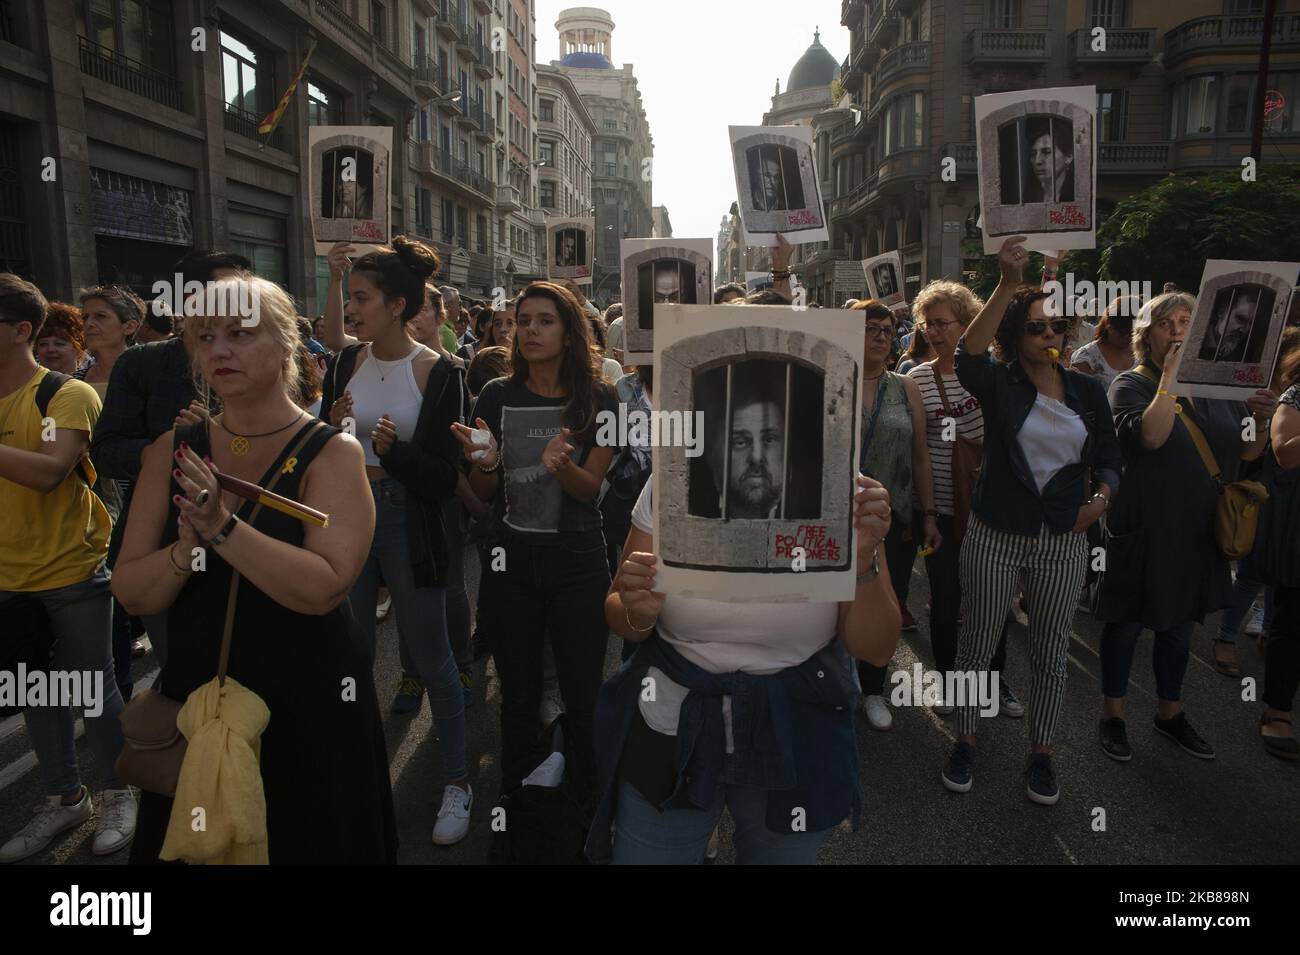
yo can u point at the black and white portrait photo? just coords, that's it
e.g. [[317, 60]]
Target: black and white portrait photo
[[884, 275], [570, 246], [763, 510], [1241, 311], [776, 184], [1035, 151], [659, 272], [349, 185]]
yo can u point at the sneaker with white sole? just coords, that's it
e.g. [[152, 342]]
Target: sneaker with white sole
[[877, 711], [382, 608], [453, 818], [1255, 626], [116, 826], [1008, 703], [50, 820]]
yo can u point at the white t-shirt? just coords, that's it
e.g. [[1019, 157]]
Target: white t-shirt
[[723, 637], [1093, 356], [1051, 437]]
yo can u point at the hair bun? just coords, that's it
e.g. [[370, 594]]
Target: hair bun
[[416, 256]]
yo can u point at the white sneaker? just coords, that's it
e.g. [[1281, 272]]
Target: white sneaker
[[711, 851], [50, 820], [381, 610], [453, 817], [878, 714], [1255, 626], [116, 828]]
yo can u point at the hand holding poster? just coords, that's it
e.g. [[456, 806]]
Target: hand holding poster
[[776, 181], [348, 178], [1232, 347], [1036, 154], [885, 278], [660, 272], [571, 245], [749, 512]]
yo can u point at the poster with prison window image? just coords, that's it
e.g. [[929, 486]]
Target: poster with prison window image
[[570, 245], [776, 180], [885, 278], [660, 272], [348, 178], [1035, 151], [747, 511], [1236, 332]]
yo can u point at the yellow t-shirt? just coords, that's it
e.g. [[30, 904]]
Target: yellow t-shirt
[[55, 539]]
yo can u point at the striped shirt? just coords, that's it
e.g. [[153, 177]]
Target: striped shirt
[[970, 424]]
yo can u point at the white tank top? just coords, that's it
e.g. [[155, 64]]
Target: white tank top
[[385, 388]]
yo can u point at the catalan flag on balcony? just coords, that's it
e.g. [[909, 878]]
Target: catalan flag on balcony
[[272, 119]]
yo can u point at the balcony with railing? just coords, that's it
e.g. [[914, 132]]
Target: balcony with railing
[[855, 200], [1230, 34], [482, 57], [465, 39], [243, 123], [125, 73], [964, 153], [482, 122], [851, 13], [1009, 47], [428, 75], [882, 25], [447, 22], [341, 20], [905, 60], [508, 199], [901, 167], [865, 57], [8, 29], [1126, 47], [1133, 157]]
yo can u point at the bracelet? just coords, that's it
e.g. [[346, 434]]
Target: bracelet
[[1161, 391], [780, 273], [492, 470], [1105, 501], [220, 536], [177, 569], [627, 614], [872, 572]]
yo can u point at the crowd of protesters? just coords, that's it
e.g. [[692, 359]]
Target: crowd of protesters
[[999, 442]]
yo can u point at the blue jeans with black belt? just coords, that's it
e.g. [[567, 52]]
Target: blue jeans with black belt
[[421, 620]]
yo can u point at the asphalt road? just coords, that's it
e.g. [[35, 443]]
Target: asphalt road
[[1164, 807]]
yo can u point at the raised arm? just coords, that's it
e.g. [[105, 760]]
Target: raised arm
[[332, 333], [1011, 261]]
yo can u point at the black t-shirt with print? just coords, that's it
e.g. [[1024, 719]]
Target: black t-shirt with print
[[530, 502]]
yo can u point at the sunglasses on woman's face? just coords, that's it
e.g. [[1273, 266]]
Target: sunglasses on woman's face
[[1059, 326]]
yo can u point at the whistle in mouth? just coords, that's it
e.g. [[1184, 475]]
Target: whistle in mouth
[[1053, 353]]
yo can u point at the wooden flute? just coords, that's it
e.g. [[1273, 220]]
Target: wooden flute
[[253, 492]]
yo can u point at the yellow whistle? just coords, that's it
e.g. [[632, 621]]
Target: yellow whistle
[[1053, 354], [927, 551]]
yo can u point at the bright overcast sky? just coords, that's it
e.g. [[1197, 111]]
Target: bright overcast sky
[[703, 65]]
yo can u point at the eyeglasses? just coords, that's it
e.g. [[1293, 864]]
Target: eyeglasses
[[1059, 326], [879, 331], [940, 326]]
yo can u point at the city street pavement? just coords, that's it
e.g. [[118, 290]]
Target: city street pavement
[[1164, 807]]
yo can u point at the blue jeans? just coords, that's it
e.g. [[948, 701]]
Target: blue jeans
[[1244, 591], [81, 616], [645, 836], [421, 620], [1168, 657]]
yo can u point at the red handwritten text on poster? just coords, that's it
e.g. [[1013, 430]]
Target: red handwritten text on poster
[[816, 543]]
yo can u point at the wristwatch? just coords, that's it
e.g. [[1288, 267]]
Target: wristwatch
[[226, 529], [1105, 501], [872, 572]]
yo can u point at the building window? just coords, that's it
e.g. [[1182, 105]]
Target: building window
[[448, 220], [1004, 14], [482, 234], [325, 108], [423, 211], [1239, 87], [462, 226], [1245, 8], [546, 152], [379, 22], [1279, 103], [139, 29], [1202, 104], [1111, 14], [260, 238], [247, 79], [1112, 116], [548, 194], [546, 110], [904, 124]]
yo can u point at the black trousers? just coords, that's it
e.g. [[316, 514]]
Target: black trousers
[[556, 591], [1282, 654]]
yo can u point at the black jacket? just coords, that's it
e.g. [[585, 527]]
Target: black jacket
[[426, 465], [149, 386], [1006, 495]]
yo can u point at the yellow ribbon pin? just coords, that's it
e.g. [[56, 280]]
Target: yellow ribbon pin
[[289, 466]]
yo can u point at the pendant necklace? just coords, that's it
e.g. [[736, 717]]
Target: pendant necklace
[[239, 443]]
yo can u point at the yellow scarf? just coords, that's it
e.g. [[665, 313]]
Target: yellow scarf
[[219, 812]]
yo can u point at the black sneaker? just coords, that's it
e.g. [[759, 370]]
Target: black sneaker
[[959, 774], [1114, 739], [1181, 732], [1040, 780], [1008, 703]]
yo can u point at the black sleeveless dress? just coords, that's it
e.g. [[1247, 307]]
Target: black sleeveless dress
[[324, 761]]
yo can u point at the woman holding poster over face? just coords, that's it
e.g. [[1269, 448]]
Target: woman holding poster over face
[[1164, 571], [743, 706], [1050, 465], [540, 467]]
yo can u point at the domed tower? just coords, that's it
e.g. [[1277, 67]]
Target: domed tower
[[816, 68], [808, 90], [585, 38]]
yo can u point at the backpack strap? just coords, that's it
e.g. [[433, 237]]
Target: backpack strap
[[45, 392]]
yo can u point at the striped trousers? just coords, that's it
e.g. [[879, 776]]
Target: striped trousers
[[1052, 568]]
